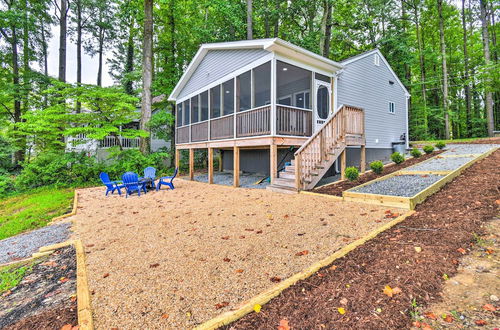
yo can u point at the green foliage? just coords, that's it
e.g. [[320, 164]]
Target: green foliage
[[33, 210], [415, 153], [133, 160], [161, 124], [397, 158], [428, 149], [440, 145], [6, 150], [351, 173], [377, 166], [10, 276], [6, 185]]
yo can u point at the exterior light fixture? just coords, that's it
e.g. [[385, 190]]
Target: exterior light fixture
[[285, 69]]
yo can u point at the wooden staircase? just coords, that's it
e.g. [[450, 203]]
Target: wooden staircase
[[321, 150]]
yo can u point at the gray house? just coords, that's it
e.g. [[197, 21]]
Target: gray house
[[264, 103]]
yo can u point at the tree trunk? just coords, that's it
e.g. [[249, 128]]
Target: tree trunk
[[147, 74], [447, 126], [19, 153], [404, 18], [267, 26], [421, 58], [78, 50], [326, 28], [63, 21], [249, 20], [100, 51], [468, 98], [129, 64], [486, 49], [277, 18]]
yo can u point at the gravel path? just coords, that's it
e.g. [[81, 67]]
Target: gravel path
[[175, 258], [441, 164], [24, 245], [247, 180], [466, 149], [400, 185]]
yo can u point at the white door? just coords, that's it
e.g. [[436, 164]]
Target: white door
[[322, 103]]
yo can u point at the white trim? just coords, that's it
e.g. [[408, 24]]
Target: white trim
[[302, 65], [292, 107], [335, 95], [407, 126], [275, 45], [377, 51], [251, 138], [227, 77], [294, 99], [273, 93]]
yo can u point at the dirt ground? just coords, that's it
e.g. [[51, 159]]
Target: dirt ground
[[387, 282], [174, 259], [471, 297], [336, 189]]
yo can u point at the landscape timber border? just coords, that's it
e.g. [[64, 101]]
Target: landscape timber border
[[264, 297], [411, 202]]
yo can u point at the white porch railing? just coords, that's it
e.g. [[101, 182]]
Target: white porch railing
[[111, 141]]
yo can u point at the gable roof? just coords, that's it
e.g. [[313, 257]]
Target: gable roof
[[376, 51], [271, 45]]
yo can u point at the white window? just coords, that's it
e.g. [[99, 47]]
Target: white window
[[376, 60], [392, 108]]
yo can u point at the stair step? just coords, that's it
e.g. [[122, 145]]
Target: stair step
[[290, 169], [292, 161], [287, 175], [319, 166], [284, 182], [282, 189]]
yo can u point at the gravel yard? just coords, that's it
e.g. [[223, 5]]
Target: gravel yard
[[466, 149], [24, 245], [441, 164], [400, 185], [247, 180], [174, 259]]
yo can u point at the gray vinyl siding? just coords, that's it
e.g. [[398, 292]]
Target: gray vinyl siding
[[217, 64], [365, 85]]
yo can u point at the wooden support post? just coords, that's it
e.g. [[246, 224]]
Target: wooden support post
[[273, 164], [210, 165], [221, 167], [177, 159], [363, 159], [236, 166], [343, 163], [297, 173], [191, 164]]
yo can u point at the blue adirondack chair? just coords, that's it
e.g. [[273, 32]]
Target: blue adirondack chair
[[132, 183], [167, 180], [111, 186], [150, 174]]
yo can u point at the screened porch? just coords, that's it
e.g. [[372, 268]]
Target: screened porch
[[275, 98]]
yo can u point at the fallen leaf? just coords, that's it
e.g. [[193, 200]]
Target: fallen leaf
[[239, 270], [283, 325], [275, 279], [448, 318], [417, 324], [63, 279], [302, 253], [258, 232], [222, 305], [257, 308], [461, 250], [165, 316], [105, 275], [226, 259], [387, 291], [341, 310], [489, 251], [480, 322], [333, 267], [225, 237], [425, 326], [430, 315], [343, 301], [418, 249], [153, 265], [489, 307], [67, 327]]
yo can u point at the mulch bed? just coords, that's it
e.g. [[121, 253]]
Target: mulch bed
[[442, 228], [46, 296], [337, 188]]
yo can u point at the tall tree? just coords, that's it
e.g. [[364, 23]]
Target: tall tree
[[487, 60], [249, 19], [447, 126], [147, 74], [326, 28], [466, 72], [62, 9]]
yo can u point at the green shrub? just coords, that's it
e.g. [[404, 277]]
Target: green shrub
[[415, 153], [351, 173], [428, 149], [6, 185], [377, 166], [121, 161], [397, 158], [440, 145]]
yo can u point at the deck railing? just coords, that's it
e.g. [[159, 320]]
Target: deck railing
[[328, 141], [293, 121], [222, 128], [112, 141], [199, 131], [254, 122]]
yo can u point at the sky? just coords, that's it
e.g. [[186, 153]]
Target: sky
[[89, 64]]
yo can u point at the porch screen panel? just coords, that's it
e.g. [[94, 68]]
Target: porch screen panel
[[244, 91], [215, 102], [204, 105], [187, 112], [228, 90], [195, 109], [178, 119], [293, 85], [262, 84]]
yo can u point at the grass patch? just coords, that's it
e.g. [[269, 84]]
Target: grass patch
[[10, 276], [33, 210], [447, 141]]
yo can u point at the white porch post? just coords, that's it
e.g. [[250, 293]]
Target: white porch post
[[273, 96]]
